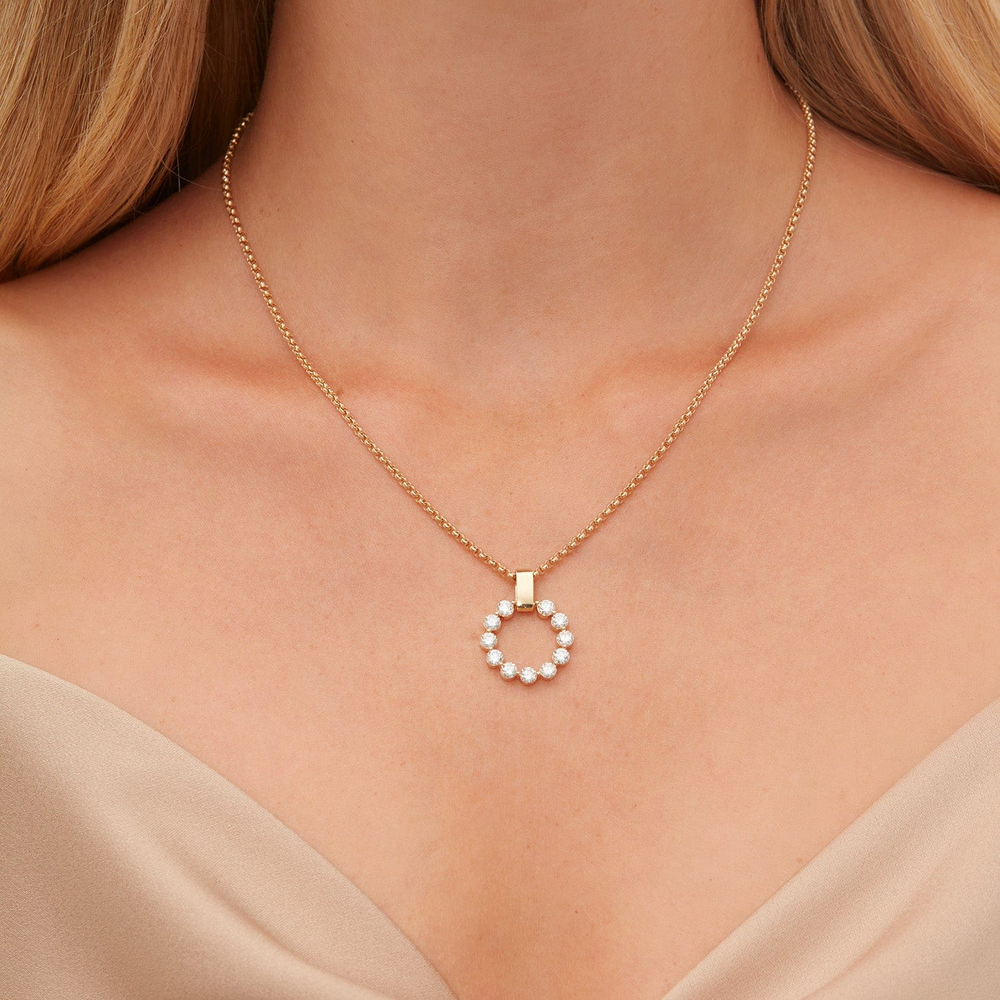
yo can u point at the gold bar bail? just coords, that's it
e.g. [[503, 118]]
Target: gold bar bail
[[524, 590]]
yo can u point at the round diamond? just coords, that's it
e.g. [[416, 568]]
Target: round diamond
[[489, 641]]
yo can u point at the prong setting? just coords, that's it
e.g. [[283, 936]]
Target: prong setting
[[528, 675]]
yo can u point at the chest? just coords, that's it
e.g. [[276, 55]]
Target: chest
[[758, 641]]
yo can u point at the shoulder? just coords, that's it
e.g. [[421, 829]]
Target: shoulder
[[883, 369], [122, 351], [108, 336], [923, 243], [899, 283]]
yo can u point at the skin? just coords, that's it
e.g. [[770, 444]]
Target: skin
[[516, 236]]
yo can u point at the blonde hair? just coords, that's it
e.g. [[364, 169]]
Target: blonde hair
[[108, 104], [917, 77]]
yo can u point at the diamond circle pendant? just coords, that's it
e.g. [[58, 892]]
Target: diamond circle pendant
[[524, 600]]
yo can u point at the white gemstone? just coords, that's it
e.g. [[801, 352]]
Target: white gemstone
[[489, 640]]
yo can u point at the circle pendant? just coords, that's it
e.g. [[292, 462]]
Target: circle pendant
[[492, 624]]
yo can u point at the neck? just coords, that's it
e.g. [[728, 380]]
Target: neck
[[518, 169]]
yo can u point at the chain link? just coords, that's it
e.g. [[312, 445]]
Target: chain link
[[394, 470]]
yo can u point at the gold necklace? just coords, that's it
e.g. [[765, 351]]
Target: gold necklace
[[524, 580]]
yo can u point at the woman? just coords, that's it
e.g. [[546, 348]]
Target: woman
[[250, 747]]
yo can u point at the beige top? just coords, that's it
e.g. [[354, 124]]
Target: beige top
[[130, 870]]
